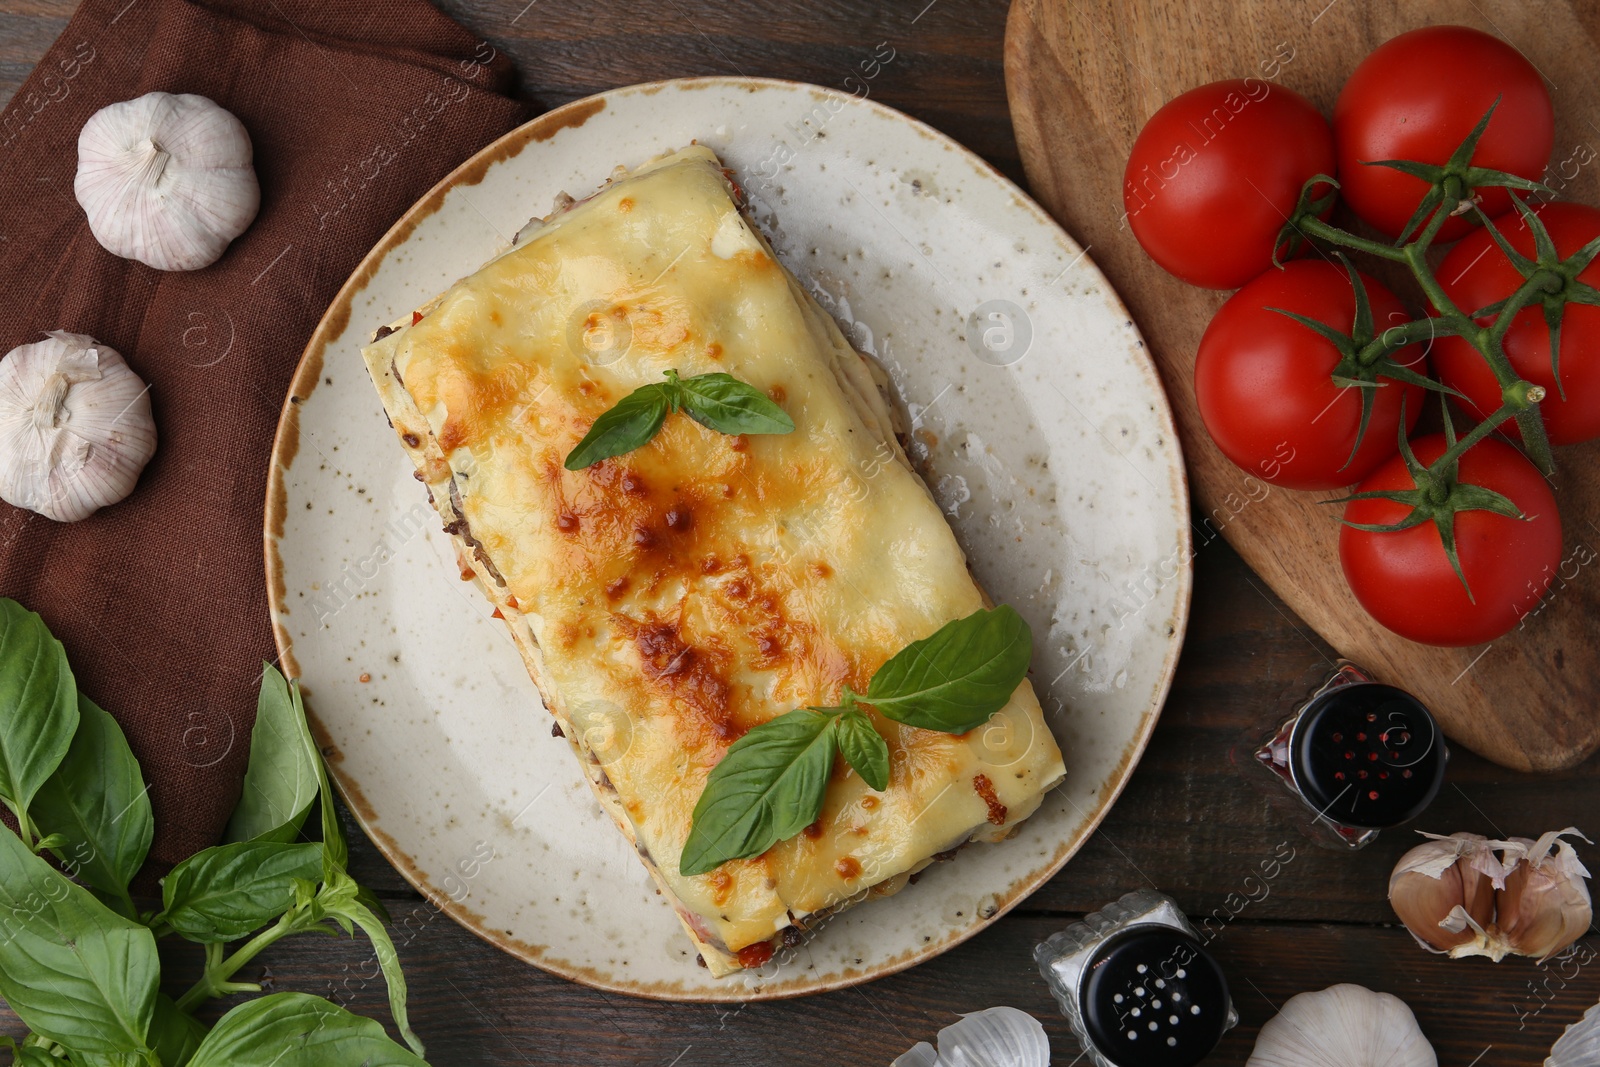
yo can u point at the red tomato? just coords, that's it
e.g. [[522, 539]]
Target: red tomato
[[1265, 388], [1216, 172], [1417, 97], [1476, 274], [1404, 579]]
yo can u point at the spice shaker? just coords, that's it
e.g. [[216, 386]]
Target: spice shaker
[[1136, 985], [1360, 755]]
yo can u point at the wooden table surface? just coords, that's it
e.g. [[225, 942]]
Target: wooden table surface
[[1188, 823]]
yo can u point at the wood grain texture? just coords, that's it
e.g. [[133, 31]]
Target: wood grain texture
[[1083, 77], [1188, 821], [471, 1011]]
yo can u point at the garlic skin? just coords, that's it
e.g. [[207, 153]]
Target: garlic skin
[[1343, 1026], [75, 427], [1579, 1044], [1444, 892], [994, 1037], [166, 180], [1539, 905], [1545, 904]]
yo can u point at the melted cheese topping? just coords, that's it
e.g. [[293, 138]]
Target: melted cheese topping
[[670, 599]]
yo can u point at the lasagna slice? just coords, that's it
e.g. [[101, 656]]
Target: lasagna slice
[[670, 599]]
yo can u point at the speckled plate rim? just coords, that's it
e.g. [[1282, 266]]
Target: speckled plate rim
[[286, 444]]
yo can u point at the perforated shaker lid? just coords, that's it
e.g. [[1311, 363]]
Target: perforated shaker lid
[[1153, 997], [1368, 756]]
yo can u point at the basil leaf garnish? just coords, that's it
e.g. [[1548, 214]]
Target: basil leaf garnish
[[723, 403], [73, 970], [226, 892], [280, 781], [717, 401], [864, 748], [955, 679], [38, 705], [628, 425], [98, 802], [298, 1030], [767, 788], [771, 783]]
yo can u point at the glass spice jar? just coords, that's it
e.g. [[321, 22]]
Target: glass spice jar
[[1136, 985], [1360, 755]]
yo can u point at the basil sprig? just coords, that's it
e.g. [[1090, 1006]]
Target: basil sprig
[[78, 959], [38, 708], [771, 783], [717, 401]]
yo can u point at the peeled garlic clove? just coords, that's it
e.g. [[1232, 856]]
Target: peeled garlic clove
[[75, 427], [1443, 890], [166, 180], [1545, 904], [1343, 1026]]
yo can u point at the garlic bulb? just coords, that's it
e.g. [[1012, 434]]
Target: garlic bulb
[[1579, 1046], [75, 427], [1443, 891], [995, 1037], [166, 180], [1456, 896], [1343, 1026], [1545, 904]]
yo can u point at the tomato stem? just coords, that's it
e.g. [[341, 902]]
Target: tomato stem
[[1334, 235], [1518, 400], [1548, 279], [1394, 338]]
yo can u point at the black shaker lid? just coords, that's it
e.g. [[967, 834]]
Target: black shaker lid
[[1152, 997], [1368, 756]]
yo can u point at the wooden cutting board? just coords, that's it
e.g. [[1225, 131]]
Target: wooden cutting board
[[1083, 76]]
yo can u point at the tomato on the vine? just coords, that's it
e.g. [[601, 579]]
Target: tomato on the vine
[[1476, 274], [1216, 172], [1265, 388], [1417, 97], [1403, 577]]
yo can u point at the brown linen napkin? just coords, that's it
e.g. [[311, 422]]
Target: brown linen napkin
[[355, 109]]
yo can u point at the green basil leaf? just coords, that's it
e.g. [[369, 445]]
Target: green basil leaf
[[388, 962], [369, 900], [226, 892], [280, 781], [33, 1056], [955, 679], [73, 970], [38, 704], [727, 405], [335, 853], [108, 1059], [865, 749], [768, 787], [298, 1030], [628, 425], [98, 802], [174, 1033]]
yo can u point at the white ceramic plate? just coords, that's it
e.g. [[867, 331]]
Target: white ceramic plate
[[1041, 425]]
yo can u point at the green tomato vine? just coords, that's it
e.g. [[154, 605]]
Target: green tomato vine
[[1548, 280]]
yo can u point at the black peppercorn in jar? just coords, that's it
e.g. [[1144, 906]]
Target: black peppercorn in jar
[[1361, 756]]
